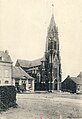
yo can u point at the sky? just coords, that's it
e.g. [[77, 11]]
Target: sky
[[23, 30]]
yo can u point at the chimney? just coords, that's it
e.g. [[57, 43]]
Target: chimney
[[6, 51]]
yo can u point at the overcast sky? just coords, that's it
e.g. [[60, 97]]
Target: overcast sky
[[23, 30]]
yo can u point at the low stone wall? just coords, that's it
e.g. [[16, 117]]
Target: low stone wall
[[7, 97]]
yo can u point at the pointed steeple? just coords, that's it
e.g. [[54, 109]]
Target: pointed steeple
[[52, 27], [52, 22], [52, 30]]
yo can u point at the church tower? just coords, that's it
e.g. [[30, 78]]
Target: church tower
[[52, 57]]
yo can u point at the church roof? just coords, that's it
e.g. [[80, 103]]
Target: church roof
[[27, 63], [18, 72], [5, 57]]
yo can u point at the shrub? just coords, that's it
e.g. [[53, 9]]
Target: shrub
[[7, 97]]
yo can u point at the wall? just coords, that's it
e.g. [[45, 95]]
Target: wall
[[79, 88], [68, 86], [29, 84], [5, 73]]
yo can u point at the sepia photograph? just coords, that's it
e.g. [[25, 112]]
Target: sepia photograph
[[40, 59]]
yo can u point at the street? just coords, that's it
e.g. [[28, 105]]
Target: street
[[45, 106]]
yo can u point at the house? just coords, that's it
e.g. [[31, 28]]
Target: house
[[6, 65], [22, 80], [32, 68], [46, 70], [72, 84]]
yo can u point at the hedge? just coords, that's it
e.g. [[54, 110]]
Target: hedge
[[7, 97]]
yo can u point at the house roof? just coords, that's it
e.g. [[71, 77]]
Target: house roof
[[27, 63], [18, 72], [5, 57], [77, 80]]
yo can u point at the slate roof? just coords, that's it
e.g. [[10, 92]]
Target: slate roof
[[27, 63], [18, 72], [52, 23], [5, 57], [77, 80]]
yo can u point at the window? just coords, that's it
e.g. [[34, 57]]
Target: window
[[38, 77], [0, 73], [55, 72], [0, 58], [30, 83], [6, 82], [23, 81], [6, 73], [55, 45], [50, 45]]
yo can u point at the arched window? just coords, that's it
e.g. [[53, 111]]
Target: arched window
[[6, 82], [55, 45], [50, 45], [55, 72]]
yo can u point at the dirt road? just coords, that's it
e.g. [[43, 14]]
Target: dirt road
[[45, 106]]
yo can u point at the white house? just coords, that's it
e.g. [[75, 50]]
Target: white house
[[6, 65], [22, 80]]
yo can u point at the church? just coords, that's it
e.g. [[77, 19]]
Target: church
[[46, 71]]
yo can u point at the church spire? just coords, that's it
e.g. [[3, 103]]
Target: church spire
[[52, 56], [52, 29], [52, 25]]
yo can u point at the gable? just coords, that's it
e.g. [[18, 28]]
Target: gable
[[5, 57], [18, 72]]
